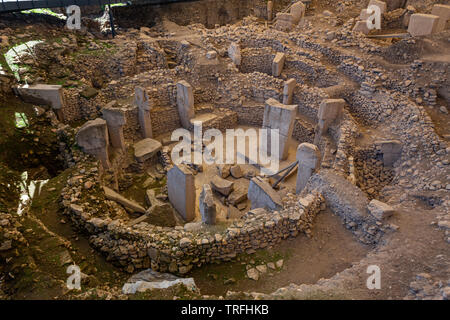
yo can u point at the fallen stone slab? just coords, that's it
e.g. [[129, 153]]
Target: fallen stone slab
[[146, 149], [341, 196], [47, 94], [262, 195], [222, 186], [149, 279], [380, 210], [110, 194]]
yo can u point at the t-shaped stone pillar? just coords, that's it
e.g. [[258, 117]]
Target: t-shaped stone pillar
[[288, 91], [270, 10], [281, 117], [298, 10], [278, 64], [185, 103], [143, 104], [115, 120], [93, 138], [329, 110], [308, 157]]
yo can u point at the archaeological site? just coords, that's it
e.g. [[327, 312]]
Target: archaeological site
[[224, 150]]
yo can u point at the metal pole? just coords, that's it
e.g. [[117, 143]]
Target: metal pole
[[111, 19]]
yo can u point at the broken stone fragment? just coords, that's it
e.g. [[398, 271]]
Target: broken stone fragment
[[114, 196], [236, 171], [279, 263], [262, 268], [211, 54], [89, 93], [237, 196], [224, 170], [380, 210], [222, 186], [207, 205], [253, 274]]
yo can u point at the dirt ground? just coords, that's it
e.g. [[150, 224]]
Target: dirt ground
[[331, 249]]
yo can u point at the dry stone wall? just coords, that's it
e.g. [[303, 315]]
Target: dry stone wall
[[174, 249]]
